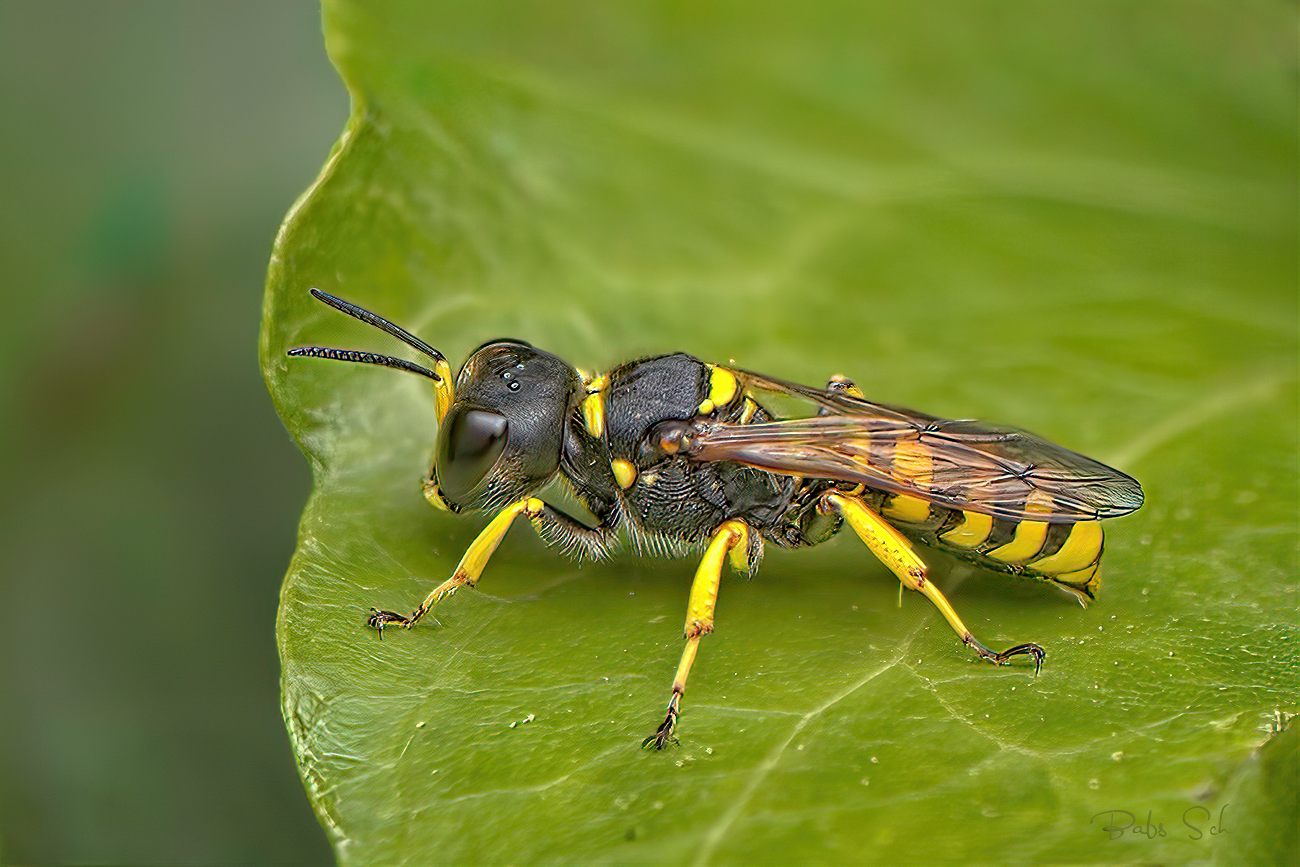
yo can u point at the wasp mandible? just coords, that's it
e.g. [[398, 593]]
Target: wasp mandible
[[682, 456]]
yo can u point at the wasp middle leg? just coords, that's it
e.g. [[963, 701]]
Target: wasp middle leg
[[893, 549], [732, 539]]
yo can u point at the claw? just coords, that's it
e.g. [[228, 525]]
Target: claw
[[1022, 650], [664, 735], [1005, 656], [662, 738]]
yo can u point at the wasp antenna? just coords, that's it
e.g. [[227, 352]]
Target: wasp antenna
[[363, 358], [379, 322]]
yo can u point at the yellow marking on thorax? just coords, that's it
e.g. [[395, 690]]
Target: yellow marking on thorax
[[1080, 549], [593, 405], [722, 385], [747, 410], [910, 510], [722, 388], [974, 529], [624, 472], [593, 413], [1027, 542]]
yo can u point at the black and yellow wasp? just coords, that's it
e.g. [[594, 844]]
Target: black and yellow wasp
[[682, 456]]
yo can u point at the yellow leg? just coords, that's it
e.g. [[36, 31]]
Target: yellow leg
[[731, 538], [893, 549], [469, 569]]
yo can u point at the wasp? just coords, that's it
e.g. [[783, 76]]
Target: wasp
[[683, 456]]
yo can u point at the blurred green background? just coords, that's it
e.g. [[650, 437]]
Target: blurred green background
[[148, 152]]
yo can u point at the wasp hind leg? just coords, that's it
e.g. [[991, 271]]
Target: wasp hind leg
[[893, 549], [550, 523], [732, 539]]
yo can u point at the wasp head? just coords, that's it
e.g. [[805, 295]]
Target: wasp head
[[502, 436], [501, 425]]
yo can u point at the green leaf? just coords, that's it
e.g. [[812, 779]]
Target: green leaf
[[1078, 219]]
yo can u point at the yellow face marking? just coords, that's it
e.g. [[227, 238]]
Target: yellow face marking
[[706, 407], [593, 413], [722, 385], [443, 389], [1027, 542], [624, 473], [434, 496], [1081, 549], [973, 530], [910, 510], [913, 463]]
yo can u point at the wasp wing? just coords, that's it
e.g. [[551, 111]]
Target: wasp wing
[[962, 464]]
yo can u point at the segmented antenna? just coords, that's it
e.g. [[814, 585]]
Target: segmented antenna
[[363, 358], [379, 322], [371, 357]]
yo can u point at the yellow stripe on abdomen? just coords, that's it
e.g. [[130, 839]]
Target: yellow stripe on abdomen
[[909, 510], [972, 531], [912, 465], [1080, 549], [1027, 542]]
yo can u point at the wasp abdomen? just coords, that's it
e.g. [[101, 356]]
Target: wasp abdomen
[[1067, 554]]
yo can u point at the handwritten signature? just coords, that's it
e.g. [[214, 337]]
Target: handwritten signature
[[1121, 822]]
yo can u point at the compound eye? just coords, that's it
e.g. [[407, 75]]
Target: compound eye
[[469, 444]]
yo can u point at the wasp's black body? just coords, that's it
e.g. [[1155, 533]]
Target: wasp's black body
[[681, 455], [673, 503]]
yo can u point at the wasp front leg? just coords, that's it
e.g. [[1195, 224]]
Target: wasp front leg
[[893, 549], [550, 523], [733, 538]]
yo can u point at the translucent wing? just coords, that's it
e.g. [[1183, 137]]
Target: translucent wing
[[999, 471]]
